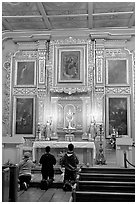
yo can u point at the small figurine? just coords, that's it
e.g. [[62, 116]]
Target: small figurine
[[101, 159]]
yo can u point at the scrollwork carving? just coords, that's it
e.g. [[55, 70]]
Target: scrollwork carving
[[70, 40], [41, 93], [118, 90], [71, 90], [26, 55], [113, 52], [25, 91], [6, 95]]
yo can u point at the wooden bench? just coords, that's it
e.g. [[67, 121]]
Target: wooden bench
[[86, 196], [106, 177], [104, 185], [107, 170], [108, 186]]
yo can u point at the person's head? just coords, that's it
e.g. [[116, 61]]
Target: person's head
[[48, 149], [70, 147], [26, 155]]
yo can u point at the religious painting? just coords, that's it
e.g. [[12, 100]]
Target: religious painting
[[24, 116], [117, 71], [70, 65], [25, 74], [118, 115]]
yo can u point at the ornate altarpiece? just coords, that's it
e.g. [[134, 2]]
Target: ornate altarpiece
[[46, 82]]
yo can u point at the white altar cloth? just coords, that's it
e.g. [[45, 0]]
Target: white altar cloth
[[63, 144]]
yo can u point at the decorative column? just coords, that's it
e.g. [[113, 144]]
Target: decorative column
[[43, 55]]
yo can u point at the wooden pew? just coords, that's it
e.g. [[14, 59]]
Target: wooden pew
[[102, 186], [107, 170], [105, 185], [106, 177], [86, 196]]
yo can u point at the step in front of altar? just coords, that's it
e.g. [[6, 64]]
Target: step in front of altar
[[37, 177]]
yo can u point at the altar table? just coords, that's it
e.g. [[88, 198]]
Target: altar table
[[85, 150]]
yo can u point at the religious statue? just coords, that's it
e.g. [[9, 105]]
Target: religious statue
[[100, 158], [114, 135], [92, 130], [47, 131], [39, 131]]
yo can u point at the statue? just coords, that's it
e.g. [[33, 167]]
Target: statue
[[92, 130], [39, 131], [100, 158], [47, 131]]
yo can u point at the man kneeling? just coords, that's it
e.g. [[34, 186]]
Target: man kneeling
[[48, 161], [70, 162]]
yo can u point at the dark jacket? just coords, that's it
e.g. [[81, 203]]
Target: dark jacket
[[70, 161], [47, 160]]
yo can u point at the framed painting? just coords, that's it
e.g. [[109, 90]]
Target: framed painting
[[117, 72], [118, 115], [25, 73], [24, 116], [70, 64]]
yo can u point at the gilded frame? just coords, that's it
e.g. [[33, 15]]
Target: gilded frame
[[117, 71], [118, 114], [70, 65], [25, 73], [24, 116]]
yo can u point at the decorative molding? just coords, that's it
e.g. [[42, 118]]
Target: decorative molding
[[113, 52], [50, 66], [110, 36], [6, 65], [41, 54], [42, 71], [90, 63], [26, 55], [70, 40], [41, 93], [24, 91], [118, 90], [6, 96], [70, 90], [115, 44], [99, 89], [26, 45]]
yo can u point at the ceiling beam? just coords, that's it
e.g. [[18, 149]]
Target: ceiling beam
[[131, 20], [90, 15], [113, 13], [6, 25], [44, 15], [32, 16], [69, 15]]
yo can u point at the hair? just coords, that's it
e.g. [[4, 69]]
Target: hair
[[26, 155], [70, 147], [48, 149]]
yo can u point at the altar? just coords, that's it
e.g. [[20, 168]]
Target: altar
[[85, 150]]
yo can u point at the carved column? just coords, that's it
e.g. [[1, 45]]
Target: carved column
[[6, 117]]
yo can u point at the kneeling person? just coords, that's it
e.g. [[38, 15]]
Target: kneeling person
[[48, 161], [25, 167], [70, 162]]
